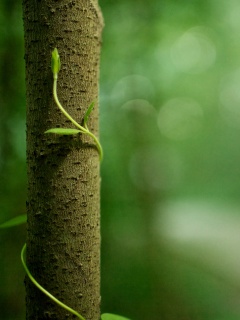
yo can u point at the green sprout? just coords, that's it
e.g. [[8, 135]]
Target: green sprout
[[56, 64]]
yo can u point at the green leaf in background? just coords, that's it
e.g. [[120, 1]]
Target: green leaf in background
[[63, 131], [110, 316], [14, 222], [88, 112]]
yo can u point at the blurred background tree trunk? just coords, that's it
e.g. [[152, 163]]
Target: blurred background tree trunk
[[63, 236]]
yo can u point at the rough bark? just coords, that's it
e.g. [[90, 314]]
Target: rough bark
[[63, 238]]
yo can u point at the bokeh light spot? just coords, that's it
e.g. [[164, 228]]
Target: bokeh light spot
[[230, 98], [132, 87], [193, 52], [180, 118], [155, 168], [139, 106]]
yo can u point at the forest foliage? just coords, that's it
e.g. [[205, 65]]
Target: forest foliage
[[170, 126]]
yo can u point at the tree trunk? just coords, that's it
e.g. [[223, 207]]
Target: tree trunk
[[63, 238]]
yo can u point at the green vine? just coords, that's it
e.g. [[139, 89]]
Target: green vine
[[64, 306], [104, 316], [23, 218], [56, 65]]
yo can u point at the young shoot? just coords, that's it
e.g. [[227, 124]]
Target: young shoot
[[56, 65]]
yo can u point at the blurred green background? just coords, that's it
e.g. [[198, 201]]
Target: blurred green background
[[170, 127]]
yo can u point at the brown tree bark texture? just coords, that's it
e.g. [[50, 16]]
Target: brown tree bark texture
[[63, 237]]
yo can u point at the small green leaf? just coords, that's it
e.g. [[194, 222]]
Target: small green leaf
[[88, 112], [14, 222], [110, 316], [63, 131], [56, 64]]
